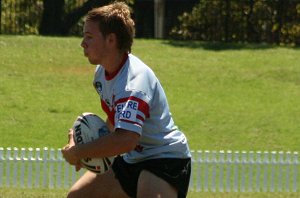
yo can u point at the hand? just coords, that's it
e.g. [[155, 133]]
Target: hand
[[70, 137], [70, 156], [69, 151]]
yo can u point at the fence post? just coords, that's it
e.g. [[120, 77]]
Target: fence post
[[1, 163], [51, 168], [281, 166], [266, 165], [251, 164], [73, 176], [273, 170], [59, 168], [15, 166], [235, 171], [295, 163], [23, 159], [191, 183], [222, 162], [206, 170], [37, 167], [9, 159], [228, 171], [29, 173], [287, 178], [258, 170], [243, 173], [45, 166], [199, 171], [214, 174]]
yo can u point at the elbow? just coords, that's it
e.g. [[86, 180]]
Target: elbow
[[129, 140], [131, 143], [132, 146]]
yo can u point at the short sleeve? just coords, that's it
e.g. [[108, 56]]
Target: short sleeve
[[131, 112]]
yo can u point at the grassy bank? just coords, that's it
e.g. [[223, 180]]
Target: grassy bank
[[238, 97]]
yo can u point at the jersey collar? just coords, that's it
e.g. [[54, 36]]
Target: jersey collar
[[112, 75]]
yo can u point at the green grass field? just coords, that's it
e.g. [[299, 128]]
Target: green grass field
[[59, 193], [224, 97]]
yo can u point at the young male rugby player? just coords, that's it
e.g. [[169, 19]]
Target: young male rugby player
[[153, 157]]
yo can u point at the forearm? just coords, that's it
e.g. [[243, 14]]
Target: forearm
[[115, 143], [109, 125]]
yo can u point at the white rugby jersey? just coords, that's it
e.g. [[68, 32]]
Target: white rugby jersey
[[134, 99]]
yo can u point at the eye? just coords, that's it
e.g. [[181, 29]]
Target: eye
[[87, 36]]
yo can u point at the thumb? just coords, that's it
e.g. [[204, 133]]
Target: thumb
[[71, 137], [78, 167]]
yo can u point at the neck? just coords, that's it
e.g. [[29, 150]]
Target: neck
[[110, 74], [114, 63]]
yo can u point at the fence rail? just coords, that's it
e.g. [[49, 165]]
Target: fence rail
[[245, 171], [222, 171], [35, 168]]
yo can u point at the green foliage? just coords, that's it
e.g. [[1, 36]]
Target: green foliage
[[77, 29], [21, 16], [274, 21], [24, 16]]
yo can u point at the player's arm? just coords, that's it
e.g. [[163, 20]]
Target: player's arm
[[118, 142], [109, 125]]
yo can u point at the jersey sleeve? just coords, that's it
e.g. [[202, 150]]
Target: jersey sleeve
[[131, 112]]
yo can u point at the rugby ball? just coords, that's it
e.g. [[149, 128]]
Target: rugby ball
[[87, 128]]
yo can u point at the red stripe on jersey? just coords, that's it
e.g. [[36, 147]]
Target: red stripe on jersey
[[131, 122], [143, 106], [140, 117], [110, 114]]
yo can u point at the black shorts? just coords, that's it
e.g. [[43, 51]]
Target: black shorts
[[174, 171]]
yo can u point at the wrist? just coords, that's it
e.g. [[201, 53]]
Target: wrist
[[74, 150]]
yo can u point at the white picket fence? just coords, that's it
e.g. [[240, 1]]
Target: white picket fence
[[245, 171], [222, 171], [35, 168]]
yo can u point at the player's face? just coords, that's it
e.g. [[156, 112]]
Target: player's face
[[93, 43]]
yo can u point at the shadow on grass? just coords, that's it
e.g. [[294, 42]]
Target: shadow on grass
[[220, 46]]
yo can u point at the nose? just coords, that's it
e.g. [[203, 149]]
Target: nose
[[83, 44]]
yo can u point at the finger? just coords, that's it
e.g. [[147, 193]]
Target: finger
[[71, 137], [65, 147], [71, 141], [78, 167], [71, 132]]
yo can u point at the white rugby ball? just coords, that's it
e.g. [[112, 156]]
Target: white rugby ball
[[87, 128]]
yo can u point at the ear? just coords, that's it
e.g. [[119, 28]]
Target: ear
[[111, 39]]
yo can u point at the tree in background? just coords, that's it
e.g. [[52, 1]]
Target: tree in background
[[46, 17], [273, 21], [17, 17], [55, 21]]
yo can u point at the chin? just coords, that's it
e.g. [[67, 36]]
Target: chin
[[93, 62]]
